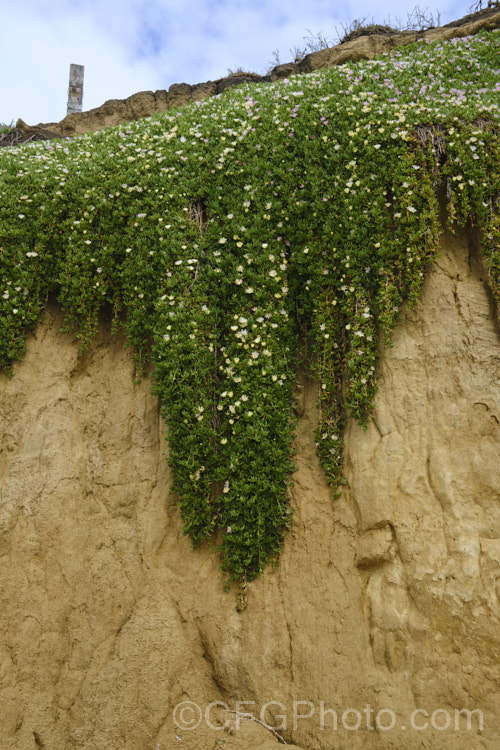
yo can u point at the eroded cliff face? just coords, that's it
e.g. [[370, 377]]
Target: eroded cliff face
[[384, 600]]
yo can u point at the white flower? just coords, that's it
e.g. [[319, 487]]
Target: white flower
[[249, 290]]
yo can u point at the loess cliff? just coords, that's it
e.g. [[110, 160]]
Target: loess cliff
[[386, 598]]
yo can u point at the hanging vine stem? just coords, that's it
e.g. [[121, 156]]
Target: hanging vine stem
[[251, 717]]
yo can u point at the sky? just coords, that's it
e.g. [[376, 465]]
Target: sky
[[128, 46]]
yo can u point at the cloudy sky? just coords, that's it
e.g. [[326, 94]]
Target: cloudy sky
[[135, 45]]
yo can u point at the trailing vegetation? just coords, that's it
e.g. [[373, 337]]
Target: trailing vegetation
[[233, 236]]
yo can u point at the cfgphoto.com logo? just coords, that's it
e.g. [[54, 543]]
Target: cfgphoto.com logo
[[275, 716]]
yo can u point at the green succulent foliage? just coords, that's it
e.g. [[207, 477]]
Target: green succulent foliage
[[238, 235]]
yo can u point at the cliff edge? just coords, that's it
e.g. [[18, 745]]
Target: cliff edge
[[146, 103]]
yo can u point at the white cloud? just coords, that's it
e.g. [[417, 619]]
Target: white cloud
[[36, 54], [132, 45]]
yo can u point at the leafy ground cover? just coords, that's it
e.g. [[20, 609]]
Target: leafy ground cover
[[237, 235]]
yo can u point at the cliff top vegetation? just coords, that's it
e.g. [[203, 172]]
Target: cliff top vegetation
[[238, 236]]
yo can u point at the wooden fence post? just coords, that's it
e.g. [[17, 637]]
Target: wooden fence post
[[75, 90]]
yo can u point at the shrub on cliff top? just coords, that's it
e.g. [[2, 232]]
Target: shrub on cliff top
[[232, 235]]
